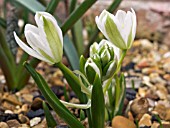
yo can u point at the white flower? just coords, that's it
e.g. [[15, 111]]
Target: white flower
[[119, 29], [46, 40]]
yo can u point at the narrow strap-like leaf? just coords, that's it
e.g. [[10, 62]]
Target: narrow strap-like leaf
[[52, 99], [98, 106], [49, 118]]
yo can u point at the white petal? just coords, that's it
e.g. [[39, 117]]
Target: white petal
[[134, 24], [120, 15], [29, 27], [36, 43], [29, 50], [48, 16], [93, 65], [127, 26]]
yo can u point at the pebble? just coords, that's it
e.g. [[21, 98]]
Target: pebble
[[13, 123], [27, 97], [130, 94], [43, 124], [36, 104], [145, 120], [3, 125], [12, 99], [122, 122], [38, 113], [35, 121], [9, 112], [6, 116], [23, 119], [139, 107]]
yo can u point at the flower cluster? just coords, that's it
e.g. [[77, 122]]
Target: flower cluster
[[102, 61]]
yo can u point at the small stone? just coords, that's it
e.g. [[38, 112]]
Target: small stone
[[36, 104], [161, 92], [43, 124], [12, 99], [25, 107], [8, 111], [167, 77], [130, 94], [35, 121], [165, 124], [122, 122], [28, 97], [8, 105], [167, 117], [23, 119], [146, 44], [161, 111], [139, 107], [166, 67], [155, 78], [3, 125], [31, 114], [13, 123], [155, 125], [145, 121]]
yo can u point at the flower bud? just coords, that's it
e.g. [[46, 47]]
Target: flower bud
[[109, 69], [91, 69]]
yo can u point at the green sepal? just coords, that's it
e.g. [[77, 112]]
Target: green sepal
[[98, 104], [113, 69], [90, 74], [52, 99], [82, 64], [49, 118]]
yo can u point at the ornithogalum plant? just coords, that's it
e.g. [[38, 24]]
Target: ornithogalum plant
[[99, 85]]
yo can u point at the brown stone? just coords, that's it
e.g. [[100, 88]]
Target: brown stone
[[3, 125], [23, 119], [36, 104], [161, 110], [12, 99], [139, 107], [167, 117], [122, 122], [145, 121], [13, 123], [28, 97], [8, 105]]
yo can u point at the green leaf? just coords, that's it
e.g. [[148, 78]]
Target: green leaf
[[52, 6], [76, 14], [98, 105], [31, 5], [49, 118], [73, 81], [120, 90], [71, 53], [2, 22], [77, 34], [52, 99]]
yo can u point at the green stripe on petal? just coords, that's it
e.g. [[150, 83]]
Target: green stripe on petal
[[114, 34], [53, 39], [130, 40], [46, 56]]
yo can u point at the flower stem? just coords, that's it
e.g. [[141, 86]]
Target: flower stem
[[116, 72], [73, 81]]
